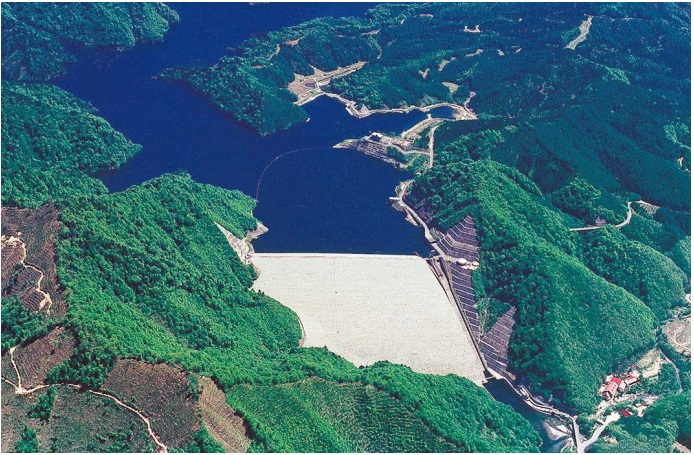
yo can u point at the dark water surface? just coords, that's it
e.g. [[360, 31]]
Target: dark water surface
[[317, 199], [313, 198]]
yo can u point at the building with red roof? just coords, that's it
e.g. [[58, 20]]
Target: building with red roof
[[613, 387]]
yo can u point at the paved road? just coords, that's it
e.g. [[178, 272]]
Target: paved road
[[585, 445], [626, 221]]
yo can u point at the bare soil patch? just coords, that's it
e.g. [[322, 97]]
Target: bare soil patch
[[27, 288], [38, 357], [37, 231], [84, 422], [79, 422], [452, 87], [12, 255], [223, 423], [584, 29], [308, 87], [679, 334], [651, 209], [650, 364], [445, 62], [162, 393]]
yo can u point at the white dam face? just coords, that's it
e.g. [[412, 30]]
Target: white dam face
[[367, 308]]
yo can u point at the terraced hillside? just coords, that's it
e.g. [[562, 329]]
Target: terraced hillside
[[33, 300], [35, 231], [79, 422]]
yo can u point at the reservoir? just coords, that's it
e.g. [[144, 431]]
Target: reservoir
[[313, 198]]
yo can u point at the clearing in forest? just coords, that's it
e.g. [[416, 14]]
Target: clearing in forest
[[584, 28], [367, 308], [679, 334]]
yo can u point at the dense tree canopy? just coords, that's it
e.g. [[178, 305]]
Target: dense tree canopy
[[149, 275], [37, 37], [563, 136], [51, 143], [531, 260], [523, 69]]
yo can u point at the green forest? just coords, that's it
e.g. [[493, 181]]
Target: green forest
[[38, 39], [530, 259], [52, 142], [523, 69], [562, 137], [148, 275]]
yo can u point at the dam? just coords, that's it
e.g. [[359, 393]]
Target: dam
[[368, 308]]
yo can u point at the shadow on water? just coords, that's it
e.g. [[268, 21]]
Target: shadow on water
[[443, 112]]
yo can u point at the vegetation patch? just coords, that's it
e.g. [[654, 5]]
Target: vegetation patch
[[649, 275], [36, 359], [42, 409], [38, 39], [532, 75], [38, 230], [529, 258], [353, 418], [64, 140], [20, 324], [222, 422], [77, 421], [149, 275]]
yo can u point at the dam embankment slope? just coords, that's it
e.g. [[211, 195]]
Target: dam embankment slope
[[367, 308]]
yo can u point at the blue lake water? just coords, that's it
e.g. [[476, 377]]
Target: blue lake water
[[319, 199], [313, 198]]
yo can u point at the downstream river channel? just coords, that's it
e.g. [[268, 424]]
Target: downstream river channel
[[312, 198]]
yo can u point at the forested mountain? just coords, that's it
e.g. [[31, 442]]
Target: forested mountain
[[574, 124], [37, 38], [583, 113], [148, 275], [148, 278], [51, 143], [530, 259], [517, 64]]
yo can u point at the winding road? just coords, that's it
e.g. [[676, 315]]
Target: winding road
[[46, 297], [20, 390], [626, 221]]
